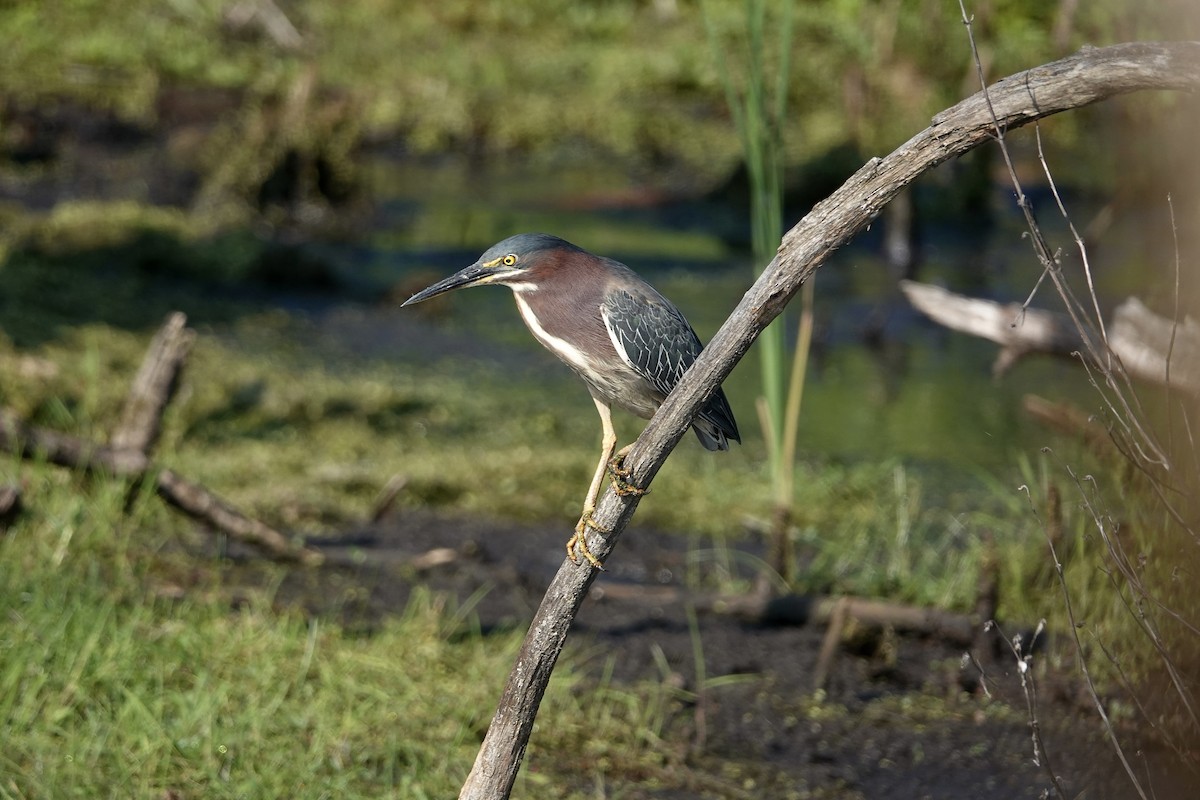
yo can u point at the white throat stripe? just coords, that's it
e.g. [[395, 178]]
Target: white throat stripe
[[561, 348]]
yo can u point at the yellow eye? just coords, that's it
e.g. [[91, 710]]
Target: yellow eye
[[509, 260]]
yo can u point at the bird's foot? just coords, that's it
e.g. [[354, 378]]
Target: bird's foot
[[578, 542], [620, 476]]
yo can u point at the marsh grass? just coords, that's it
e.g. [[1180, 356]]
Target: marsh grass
[[114, 682], [628, 80], [295, 426], [142, 696], [126, 669]]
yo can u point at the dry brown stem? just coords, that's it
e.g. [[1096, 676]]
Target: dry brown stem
[[153, 387]]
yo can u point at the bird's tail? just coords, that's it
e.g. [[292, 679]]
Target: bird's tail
[[714, 425], [712, 437]]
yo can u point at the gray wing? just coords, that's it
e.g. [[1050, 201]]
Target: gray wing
[[652, 336]]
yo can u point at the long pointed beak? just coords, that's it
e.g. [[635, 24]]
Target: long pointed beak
[[471, 276]]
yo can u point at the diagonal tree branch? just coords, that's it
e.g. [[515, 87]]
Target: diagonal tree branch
[[1086, 77]]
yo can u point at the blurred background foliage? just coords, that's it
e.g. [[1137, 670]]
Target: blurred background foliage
[[630, 79], [175, 121]]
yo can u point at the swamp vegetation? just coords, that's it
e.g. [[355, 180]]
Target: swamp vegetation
[[283, 192]]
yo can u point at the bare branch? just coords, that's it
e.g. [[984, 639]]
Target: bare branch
[[33, 443], [155, 383], [1016, 329], [199, 503], [128, 454], [1145, 342]]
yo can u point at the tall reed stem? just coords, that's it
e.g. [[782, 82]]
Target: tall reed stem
[[758, 107]]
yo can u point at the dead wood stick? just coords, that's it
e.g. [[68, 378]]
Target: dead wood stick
[[1143, 341], [1018, 331], [199, 503], [350, 556], [829, 644], [153, 386], [1140, 338], [267, 17], [1070, 420], [795, 609], [945, 625], [805, 609], [32, 442], [1086, 77], [387, 497]]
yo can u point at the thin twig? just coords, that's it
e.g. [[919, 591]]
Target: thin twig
[[829, 644], [1083, 253], [1104, 359], [1079, 651], [1130, 575], [1029, 688], [969, 658]]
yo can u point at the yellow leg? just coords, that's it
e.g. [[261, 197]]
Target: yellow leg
[[578, 542]]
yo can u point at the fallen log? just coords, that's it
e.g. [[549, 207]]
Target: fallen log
[[1155, 348], [1149, 346], [1019, 331], [34, 443], [128, 454], [805, 609], [201, 504], [341, 556]]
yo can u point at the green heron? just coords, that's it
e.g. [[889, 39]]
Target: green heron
[[630, 344]]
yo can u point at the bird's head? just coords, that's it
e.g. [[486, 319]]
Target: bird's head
[[510, 262]]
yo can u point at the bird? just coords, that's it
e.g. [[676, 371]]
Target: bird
[[628, 343]]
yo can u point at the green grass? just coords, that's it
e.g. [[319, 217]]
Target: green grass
[[137, 700], [125, 668], [116, 681]]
